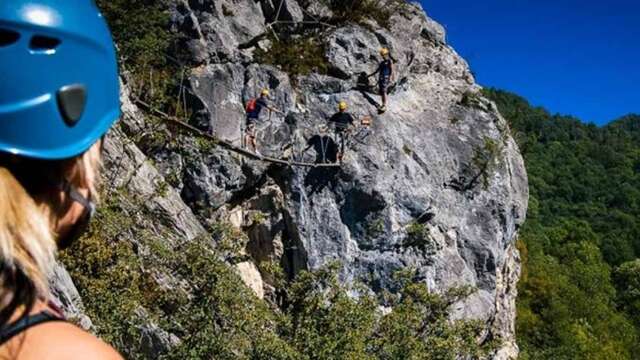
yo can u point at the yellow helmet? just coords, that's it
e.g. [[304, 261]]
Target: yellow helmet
[[384, 51], [342, 106], [265, 92]]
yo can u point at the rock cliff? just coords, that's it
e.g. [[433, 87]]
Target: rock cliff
[[436, 184]]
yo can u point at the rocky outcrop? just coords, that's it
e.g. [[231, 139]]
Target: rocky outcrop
[[217, 31], [436, 184], [285, 10], [505, 319], [440, 163], [66, 297]]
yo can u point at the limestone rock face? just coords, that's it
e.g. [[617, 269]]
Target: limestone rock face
[[250, 274], [441, 159], [285, 10], [217, 29], [436, 183], [504, 324], [65, 296]]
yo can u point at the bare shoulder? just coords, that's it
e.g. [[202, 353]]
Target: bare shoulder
[[60, 340]]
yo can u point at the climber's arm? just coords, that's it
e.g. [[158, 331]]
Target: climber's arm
[[273, 109], [351, 125], [375, 72]]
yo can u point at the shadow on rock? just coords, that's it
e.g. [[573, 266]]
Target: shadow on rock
[[318, 179], [325, 147], [365, 88]]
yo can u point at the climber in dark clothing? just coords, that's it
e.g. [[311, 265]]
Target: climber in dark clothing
[[254, 108], [342, 121], [386, 75]]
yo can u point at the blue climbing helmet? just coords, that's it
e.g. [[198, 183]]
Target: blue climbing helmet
[[59, 87]]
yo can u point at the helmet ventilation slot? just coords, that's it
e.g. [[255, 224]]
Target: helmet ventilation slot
[[43, 44], [8, 37]]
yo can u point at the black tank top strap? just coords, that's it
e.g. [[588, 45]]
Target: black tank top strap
[[9, 331]]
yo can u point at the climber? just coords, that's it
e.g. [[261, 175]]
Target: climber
[[57, 103], [386, 75], [343, 123], [253, 109]]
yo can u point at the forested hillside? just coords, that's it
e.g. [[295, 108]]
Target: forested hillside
[[579, 295]]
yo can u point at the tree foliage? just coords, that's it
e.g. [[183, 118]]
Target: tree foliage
[[142, 33], [627, 281], [300, 50], [576, 300], [295, 55], [214, 315]]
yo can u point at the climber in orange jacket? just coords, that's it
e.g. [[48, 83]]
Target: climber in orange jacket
[[253, 109]]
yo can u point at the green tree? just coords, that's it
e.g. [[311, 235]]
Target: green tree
[[141, 30], [627, 280], [583, 221]]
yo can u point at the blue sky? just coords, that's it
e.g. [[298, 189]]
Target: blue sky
[[574, 57]]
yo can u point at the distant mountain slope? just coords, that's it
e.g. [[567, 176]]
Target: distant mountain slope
[[629, 124], [583, 222]]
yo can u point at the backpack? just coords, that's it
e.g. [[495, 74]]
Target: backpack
[[251, 106]]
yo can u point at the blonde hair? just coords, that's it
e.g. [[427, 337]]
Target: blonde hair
[[30, 209], [26, 239]]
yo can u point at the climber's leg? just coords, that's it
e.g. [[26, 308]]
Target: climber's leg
[[383, 84], [341, 152], [250, 136]]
